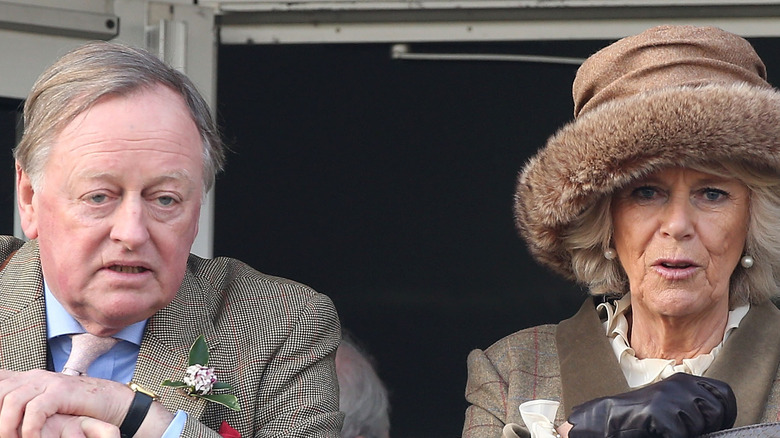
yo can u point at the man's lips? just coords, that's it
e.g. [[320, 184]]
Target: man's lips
[[125, 266], [127, 269]]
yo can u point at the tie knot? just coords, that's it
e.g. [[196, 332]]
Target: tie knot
[[85, 349]]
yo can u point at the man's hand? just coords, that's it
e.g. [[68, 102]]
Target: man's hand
[[67, 426], [30, 400]]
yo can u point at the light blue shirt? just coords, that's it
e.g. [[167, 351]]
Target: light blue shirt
[[118, 364]]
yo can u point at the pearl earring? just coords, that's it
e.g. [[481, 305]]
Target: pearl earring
[[746, 261], [610, 254]]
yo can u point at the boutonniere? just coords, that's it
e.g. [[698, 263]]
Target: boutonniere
[[200, 380]]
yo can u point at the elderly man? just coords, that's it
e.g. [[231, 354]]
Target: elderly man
[[117, 154]]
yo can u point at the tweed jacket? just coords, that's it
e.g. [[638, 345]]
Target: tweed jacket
[[272, 339], [572, 362]]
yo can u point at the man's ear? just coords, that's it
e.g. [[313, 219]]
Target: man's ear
[[24, 200]]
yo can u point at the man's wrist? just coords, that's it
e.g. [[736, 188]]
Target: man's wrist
[[156, 423], [139, 407]]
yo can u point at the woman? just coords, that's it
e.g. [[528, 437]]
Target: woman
[[663, 197]]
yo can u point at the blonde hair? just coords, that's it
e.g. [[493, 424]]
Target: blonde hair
[[590, 235]]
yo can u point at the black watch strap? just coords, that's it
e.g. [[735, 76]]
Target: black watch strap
[[138, 409]]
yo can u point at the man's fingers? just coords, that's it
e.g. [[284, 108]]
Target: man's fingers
[[31, 398], [97, 429], [13, 408], [66, 426]]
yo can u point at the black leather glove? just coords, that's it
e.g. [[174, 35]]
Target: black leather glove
[[682, 405]]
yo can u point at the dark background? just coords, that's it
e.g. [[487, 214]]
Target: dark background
[[10, 112]]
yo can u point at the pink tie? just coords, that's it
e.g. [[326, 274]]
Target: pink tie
[[86, 348]]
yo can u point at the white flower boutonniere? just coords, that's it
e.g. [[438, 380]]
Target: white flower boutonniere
[[200, 379]]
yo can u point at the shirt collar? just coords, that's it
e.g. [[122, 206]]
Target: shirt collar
[[639, 372], [59, 322]]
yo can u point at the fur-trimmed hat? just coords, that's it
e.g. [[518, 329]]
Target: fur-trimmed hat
[[670, 96]]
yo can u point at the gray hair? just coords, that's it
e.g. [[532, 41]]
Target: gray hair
[[362, 395], [590, 235], [76, 81]]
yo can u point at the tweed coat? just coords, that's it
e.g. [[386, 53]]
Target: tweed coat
[[272, 339], [572, 362]]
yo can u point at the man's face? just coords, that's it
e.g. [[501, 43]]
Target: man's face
[[117, 208]]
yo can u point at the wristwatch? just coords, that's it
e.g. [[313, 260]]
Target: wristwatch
[[138, 409]]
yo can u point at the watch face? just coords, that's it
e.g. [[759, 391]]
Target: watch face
[[138, 388]]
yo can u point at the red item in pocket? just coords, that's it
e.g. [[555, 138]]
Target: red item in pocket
[[227, 431]]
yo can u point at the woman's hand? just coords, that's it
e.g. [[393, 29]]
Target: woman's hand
[[563, 429], [681, 405]]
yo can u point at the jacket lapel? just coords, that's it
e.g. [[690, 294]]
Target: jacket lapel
[[23, 314], [588, 367], [166, 342], [752, 346]]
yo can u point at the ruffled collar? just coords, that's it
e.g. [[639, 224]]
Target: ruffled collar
[[639, 372]]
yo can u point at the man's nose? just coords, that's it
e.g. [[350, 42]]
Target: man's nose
[[130, 224]]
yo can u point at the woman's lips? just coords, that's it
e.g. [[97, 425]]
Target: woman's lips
[[675, 269]]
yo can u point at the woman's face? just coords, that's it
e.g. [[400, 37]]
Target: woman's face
[[679, 234]]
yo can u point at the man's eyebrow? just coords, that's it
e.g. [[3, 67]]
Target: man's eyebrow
[[182, 175]]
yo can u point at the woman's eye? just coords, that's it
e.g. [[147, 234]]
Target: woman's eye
[[714, 194], [644, 192]]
